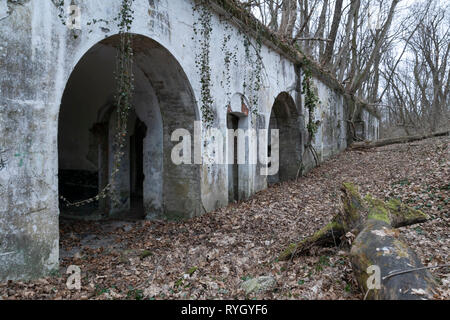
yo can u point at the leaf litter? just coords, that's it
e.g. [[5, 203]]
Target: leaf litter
[[210, 256]]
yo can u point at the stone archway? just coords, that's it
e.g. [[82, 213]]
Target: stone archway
[[284, 116], [163, 101]]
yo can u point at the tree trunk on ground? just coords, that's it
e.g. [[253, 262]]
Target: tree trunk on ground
[[377, 244], [388, 141]]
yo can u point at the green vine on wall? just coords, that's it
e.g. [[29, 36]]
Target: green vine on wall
[[230, 57], [311, 100], [59, 4], [202, 30], [253, 79], [311, 103], [96, 21], [125, 87]]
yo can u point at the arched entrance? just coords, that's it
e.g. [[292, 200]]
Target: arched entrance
[[148, 183], [285, 117]]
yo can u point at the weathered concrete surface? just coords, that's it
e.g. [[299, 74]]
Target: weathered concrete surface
[[331, 136], [38, 55]]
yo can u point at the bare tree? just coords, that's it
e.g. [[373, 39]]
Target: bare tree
[[418, 95], [326, 58], [394, 57]]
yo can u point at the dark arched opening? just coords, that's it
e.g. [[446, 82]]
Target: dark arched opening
[[148, 183], [285, 117]]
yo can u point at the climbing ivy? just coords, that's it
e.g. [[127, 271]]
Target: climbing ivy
[[311, 103], [95, 21], [311, 99], [59, 4], [202, 30], [256, 66], [125, 87], [252, 80], [230, 57]]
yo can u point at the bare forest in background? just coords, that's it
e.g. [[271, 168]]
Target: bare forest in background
[[393, 54]]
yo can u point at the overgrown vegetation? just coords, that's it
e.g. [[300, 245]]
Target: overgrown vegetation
[[311, 99], [202, 31], [125, 88], [253, 64]]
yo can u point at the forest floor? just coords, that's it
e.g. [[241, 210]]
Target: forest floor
[[210, 256]]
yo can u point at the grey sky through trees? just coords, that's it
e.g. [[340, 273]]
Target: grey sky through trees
[[373, 47]]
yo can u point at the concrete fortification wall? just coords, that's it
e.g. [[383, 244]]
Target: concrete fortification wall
[[57, 88]]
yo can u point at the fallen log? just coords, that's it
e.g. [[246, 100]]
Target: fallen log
[[389, 141], [377, 245], [350, 219]]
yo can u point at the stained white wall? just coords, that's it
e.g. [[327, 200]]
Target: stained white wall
[[37, 56]]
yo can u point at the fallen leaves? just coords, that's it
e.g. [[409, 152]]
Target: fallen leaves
[[209, 257]]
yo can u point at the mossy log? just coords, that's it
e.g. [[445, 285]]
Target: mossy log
[[377, 243], [351, 218], [389, 141], [328, 235], [393, 212]]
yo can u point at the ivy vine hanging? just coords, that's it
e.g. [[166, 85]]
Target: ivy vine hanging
[[202, 30], [311, 103], [124, 78]]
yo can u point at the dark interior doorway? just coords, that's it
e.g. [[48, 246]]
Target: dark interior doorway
[[137, 168], [273, 124], [233, 168]]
